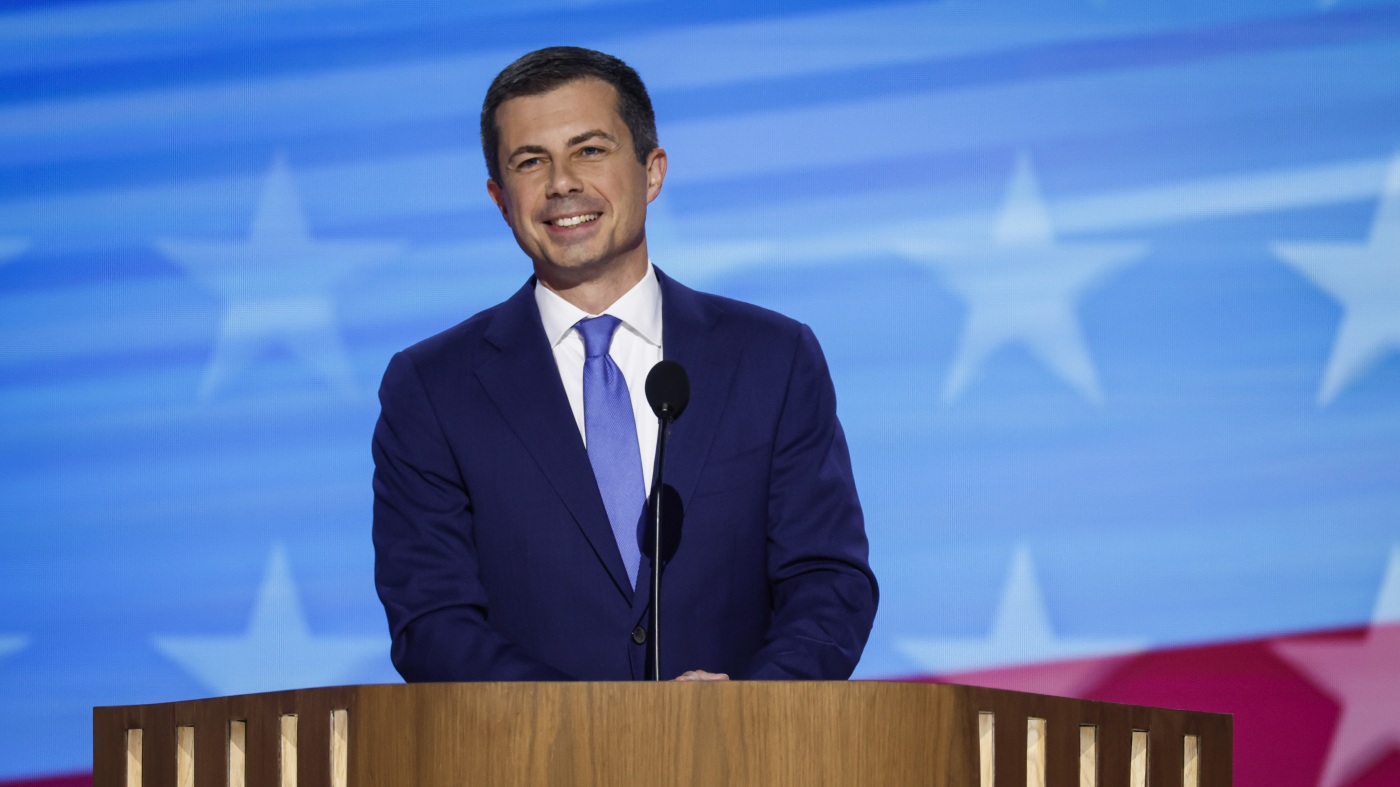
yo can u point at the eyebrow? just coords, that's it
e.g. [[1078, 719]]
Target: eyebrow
[[526, 149], [587, 135], [574, 140]]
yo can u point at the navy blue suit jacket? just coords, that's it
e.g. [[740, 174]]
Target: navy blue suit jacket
[[493, 553]]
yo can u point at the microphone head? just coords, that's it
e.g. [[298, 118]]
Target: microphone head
[[668, 390]]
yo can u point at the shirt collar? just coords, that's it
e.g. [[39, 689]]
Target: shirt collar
[[639, 309]]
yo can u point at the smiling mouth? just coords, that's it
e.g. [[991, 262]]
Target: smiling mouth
[[574, 221]]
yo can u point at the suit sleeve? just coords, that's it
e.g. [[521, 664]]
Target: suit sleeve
[[425, 567], [823, 592]]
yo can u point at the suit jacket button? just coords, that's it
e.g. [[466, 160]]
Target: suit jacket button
[[639, 635]]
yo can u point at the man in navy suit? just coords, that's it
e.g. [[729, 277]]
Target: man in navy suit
[[513, 451]]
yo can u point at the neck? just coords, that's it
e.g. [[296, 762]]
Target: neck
[[596, 293]]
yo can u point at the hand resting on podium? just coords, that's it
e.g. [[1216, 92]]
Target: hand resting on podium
[[699, 674]]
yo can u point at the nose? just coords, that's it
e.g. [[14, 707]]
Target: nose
[[563, 180]]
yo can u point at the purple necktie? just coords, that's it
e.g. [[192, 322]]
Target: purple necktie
[[612, 438]]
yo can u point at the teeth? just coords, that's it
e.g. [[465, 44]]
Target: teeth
[[574, 221]]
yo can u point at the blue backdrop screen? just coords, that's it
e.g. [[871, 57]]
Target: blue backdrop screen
[[1110, 291]]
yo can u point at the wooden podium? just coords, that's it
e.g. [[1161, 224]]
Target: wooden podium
[[883, 734]]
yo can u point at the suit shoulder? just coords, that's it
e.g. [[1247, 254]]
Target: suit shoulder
[[460, 343], [755, 322]]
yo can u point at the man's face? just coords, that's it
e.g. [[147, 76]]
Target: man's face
[[571, 187]]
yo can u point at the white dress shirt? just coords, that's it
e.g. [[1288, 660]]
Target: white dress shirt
[[636, 347]]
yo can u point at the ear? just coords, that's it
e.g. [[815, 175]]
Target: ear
[[656, 172], [497, 196]]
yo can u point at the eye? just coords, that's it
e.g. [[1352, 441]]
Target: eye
[[528, 163], [591, 150]]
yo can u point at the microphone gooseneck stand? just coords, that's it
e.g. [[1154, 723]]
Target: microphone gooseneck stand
[[655, 637], [668, 392]]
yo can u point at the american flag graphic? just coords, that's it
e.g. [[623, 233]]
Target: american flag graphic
[[1110, 290]]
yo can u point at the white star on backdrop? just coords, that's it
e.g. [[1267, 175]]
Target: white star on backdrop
[[1023, 287], [277, 651], [276, 286], [1365, 279], [1361, 677], [1020, 635]]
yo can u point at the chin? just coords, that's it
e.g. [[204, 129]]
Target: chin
[[573, 267], [575, 262]]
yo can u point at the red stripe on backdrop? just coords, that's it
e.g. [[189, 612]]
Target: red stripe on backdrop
[[1311, 710]]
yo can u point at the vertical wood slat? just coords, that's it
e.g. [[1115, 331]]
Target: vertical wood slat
[[313, 745], [340, 747], [1191, 762], [1061, 748], [288, 752], [986, 748], [1137, 774], [1114, 748], [1088, 755], [184, 756], [1215, 758], [1010, 746], [1165, 753], [1035, 752], [133, 758], [263, 741], [210, 722], [237, 753]]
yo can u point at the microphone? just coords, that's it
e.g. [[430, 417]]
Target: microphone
[[668, 392]]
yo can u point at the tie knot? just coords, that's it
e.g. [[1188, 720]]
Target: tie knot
[[597, 333]]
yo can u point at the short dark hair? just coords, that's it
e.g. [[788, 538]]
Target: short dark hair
[[546, 69]]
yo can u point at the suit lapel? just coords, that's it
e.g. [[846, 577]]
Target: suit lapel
[[688, 338], [523, 382], [687, 321], [710, 364]]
